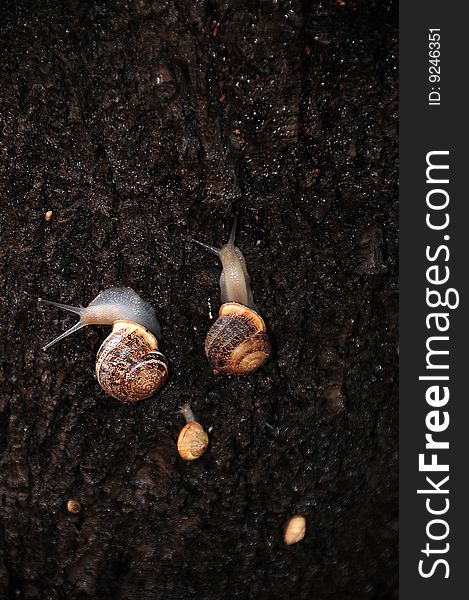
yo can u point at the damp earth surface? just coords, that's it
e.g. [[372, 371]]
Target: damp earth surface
[[128, 128]]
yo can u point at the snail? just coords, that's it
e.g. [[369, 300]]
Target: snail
[[129, 365], [192, 440], [295, 530], [73, 507], [237, 343]]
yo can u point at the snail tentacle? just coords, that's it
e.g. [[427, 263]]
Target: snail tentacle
[[237, 343]]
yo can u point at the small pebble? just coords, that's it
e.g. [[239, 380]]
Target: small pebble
[[48, 215], [295, 530]]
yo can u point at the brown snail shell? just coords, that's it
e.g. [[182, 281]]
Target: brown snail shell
[[129, 366], [192, 441], [73, 507], [237, 344]]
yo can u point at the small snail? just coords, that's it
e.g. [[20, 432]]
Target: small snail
[[295, 530], [236, 344], [129, 366], [73, 507], [192, 440]]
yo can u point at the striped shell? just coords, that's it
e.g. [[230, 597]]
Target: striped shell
[[129, 366], [237, 343], [192, 441]]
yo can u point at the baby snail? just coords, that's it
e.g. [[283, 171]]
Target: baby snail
[[192, 440], [73, 507], [237, 343], [129, 366]]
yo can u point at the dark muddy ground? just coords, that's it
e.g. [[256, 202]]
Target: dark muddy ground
[[140, 124]]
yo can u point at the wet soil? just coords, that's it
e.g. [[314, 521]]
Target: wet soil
[[141, 124]]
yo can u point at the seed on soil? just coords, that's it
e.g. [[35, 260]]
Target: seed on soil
[[295, 530]]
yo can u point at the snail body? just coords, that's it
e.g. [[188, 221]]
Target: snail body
[[129, 366], [192, 441], [237, 343]]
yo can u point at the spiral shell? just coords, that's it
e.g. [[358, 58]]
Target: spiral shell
[[237, 344], [129, 366], [192, 441], [73, 507]]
